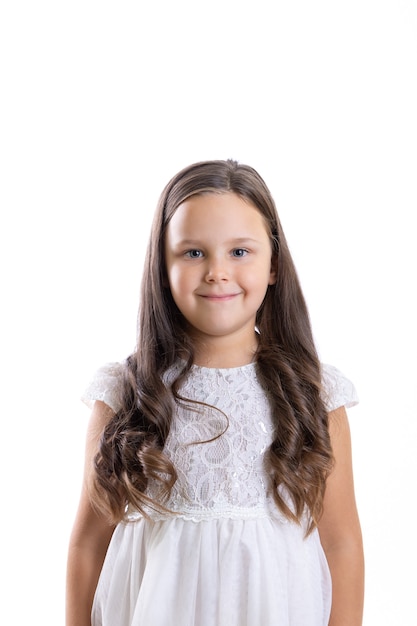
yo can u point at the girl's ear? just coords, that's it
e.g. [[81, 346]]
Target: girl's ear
[[273, 272]]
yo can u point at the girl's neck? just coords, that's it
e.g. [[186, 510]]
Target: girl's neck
[[220, 353]]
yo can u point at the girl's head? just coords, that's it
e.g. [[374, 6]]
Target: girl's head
[[281, 314]]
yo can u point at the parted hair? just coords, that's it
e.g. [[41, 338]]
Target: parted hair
[[131, 449]]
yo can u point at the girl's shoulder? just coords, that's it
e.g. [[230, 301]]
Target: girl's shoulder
[[337, 389], [105, 386]]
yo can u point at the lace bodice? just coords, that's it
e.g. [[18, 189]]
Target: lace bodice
[[219, 452]]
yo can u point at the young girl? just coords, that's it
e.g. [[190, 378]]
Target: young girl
[[218, 484]]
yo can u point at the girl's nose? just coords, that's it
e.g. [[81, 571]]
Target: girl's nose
[[216, 272]]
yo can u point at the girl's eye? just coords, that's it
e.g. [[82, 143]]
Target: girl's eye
[[239, 252], [194, 254]]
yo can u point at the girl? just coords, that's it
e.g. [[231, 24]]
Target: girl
[[218, 484]]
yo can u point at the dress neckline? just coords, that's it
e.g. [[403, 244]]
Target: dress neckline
[[224, 370]]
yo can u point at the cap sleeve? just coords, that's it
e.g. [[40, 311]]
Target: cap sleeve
[[105, 386], [337, 390]]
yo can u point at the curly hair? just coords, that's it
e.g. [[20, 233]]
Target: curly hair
[[132, 445]]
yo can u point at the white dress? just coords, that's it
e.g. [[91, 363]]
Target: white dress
[[228, 557]]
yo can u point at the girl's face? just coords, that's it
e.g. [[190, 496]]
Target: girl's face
[[218, 262]]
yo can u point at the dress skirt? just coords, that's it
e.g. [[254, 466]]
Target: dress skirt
[[217, 572]]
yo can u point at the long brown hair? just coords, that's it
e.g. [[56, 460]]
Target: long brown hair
[[131, 450]]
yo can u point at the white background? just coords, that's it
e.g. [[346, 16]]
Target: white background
[[101, 103]]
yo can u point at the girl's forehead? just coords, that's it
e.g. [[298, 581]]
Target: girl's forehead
[[217, 213]]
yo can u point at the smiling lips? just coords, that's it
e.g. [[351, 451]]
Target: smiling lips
[[221, 297]]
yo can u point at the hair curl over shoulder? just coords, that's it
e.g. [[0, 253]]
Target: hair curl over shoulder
[[131, 450]]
